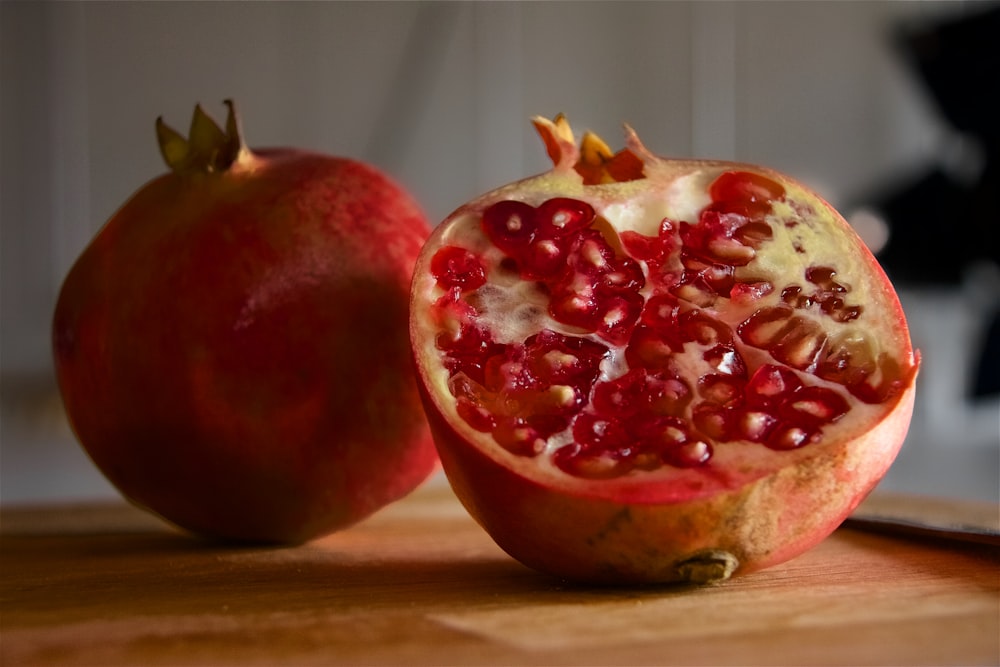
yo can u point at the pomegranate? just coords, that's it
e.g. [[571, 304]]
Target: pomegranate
[[641, 370], [231, 347]]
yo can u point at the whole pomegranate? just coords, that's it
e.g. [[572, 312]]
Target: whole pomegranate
[[231, 347], [648, 370]]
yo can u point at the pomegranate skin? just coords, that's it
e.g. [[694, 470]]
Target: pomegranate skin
[[231, 347], [807, 305], [597, 540]]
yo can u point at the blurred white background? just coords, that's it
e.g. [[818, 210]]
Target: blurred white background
[[439, 95]]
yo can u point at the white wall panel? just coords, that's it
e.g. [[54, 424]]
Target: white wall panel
[[437, 94]]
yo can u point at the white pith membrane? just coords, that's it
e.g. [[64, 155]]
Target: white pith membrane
[[805, 233]]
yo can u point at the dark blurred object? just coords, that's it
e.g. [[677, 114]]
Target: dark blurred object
[[946, 218], [987, 380], [959, 61]]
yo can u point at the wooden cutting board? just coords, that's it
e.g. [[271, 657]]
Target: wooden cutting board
[[421, 584]]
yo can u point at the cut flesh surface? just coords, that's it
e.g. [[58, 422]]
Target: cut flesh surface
[[700, 324]]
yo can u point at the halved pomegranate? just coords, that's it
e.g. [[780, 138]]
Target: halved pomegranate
[[647, 370]]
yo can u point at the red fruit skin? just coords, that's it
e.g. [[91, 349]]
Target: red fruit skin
[[231, 348], [651, 537]]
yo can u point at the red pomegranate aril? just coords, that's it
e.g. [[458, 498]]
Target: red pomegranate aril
[[555, 358], [518, 437], [623, 397], [510, 226], [458, 267], [725, 359], [654, 250], [754, 233], [623, 275], [590, 254], [561, 217], [593, 464], [475, 414], [666, 394], [542, 259], [702, 328], [723, 390], [661, 313], [801, 344], [770, 385], [786, 437], [712, 420], [649, 348], [620, 312], [766, 326], [793, 296], [744, 186], [822, 277], [814, 405], [688, 454], [746, 293], [753, 425], [594, 431]]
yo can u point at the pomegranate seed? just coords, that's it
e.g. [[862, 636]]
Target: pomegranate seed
[[730, 251], [801, 344], [661, 312], [771, 385], [623, 275], [542, 259], [649, 348], [598, 432], [847, 361], [620, 314], [702, 328], [688, 455], [848, 314], [578, 461], [457, 267], [815, 406], [510, 225], [475, 415], [721, 389], [793, 296], [786, 437], [653, 250], [830, 304], [766, 326], [554, 358], [725, 359], [711, 420], [623, 396], [716, 278], [745, 186], [590, 253], [878, 386], [749, 292], [518, 437], [562, 216], [576, 309], [822, 276], [754, 233], [667, 394], [754, 425]]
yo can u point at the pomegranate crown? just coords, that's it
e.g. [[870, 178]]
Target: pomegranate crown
[[208, 148], [593, 158]]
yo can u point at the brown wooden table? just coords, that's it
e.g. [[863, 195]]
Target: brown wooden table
[[421, 584]]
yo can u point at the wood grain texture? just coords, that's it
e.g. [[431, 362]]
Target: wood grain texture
[[420, 584]]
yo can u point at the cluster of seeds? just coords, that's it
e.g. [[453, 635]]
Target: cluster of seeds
[[648, 299]]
